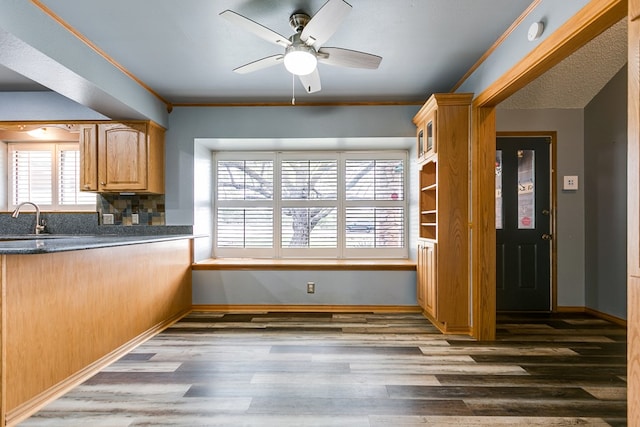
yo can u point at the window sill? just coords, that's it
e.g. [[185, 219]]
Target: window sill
[[303, 264]]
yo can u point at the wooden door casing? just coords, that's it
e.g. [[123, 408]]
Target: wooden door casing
[[633, 217]]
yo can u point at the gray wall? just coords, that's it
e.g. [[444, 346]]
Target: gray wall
[[22, 106], [569, 125], [516, 46], [605, 187], [188, 199], [277, 287], [106, 92], [67, 65], [186, 124]]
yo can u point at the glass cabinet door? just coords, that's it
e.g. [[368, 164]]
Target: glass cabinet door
[[420, 143]]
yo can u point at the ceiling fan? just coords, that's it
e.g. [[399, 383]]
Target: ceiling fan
[[303, 50]]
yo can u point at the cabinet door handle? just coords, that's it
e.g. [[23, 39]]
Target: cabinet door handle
[[103, 183], [546, 236]]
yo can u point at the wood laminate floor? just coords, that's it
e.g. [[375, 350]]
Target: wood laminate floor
[[321, 369]]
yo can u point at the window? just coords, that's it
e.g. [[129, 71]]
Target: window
[[47, 174], [310, 204]]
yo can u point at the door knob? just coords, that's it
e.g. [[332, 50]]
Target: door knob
[[546, 236]]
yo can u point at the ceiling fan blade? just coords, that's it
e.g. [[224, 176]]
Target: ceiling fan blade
[[348, 58], [257, 29], [311, 82], [259, 64], [325, 22]]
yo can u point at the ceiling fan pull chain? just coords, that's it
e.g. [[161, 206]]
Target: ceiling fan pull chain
[[293, 89]]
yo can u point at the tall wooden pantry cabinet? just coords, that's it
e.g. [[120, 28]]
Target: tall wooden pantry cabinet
[[443, 138]]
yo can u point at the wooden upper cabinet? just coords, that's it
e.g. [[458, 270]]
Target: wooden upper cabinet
[[89, 156], [427, 141], [123, 157]]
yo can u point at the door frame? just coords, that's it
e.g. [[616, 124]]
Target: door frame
[[553, 193], [594, 18]]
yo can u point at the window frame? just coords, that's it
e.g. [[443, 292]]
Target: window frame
[[239, 252], [281, 251], [341, 251], [54, 148]]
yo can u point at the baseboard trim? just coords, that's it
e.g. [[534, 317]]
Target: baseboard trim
[[446, 328], [36, 403], [570, 309], [599, 314], [262, 308]]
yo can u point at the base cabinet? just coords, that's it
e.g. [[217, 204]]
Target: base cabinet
[[122, 157], [65, 315], [426, 272]]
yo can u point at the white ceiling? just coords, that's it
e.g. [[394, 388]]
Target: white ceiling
[[185, 52]]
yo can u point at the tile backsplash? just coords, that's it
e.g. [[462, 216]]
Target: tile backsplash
[[149, 207], [82, 223], [150, 210]]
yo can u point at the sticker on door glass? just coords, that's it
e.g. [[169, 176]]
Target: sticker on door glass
[[526, 189], [498, 189]]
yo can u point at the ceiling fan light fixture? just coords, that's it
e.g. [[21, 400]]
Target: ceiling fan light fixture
[[300, 60]]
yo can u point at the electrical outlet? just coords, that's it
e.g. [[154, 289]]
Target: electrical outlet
[[311, 287], [135, 219], [570, 182], [107, 219]]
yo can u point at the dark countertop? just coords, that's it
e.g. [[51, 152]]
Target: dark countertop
[[48, 243]]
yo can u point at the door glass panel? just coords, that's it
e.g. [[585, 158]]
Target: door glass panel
[[429, 136], [526, 190], [498, 189]]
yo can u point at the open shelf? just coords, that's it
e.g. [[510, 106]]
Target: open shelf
[[428, 200]]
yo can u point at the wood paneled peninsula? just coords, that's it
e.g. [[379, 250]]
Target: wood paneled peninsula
[[71, 305]]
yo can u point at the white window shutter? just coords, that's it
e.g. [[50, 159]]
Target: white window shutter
[[47, 174], [31, 176]]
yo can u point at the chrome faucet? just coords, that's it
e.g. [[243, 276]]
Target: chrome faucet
[[40, 225]]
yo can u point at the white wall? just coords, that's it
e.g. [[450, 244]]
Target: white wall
[[202, 201], [569, 125]]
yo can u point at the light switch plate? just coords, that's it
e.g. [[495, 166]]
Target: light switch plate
[[107, 219], [570, 182]]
